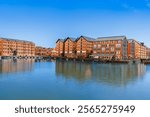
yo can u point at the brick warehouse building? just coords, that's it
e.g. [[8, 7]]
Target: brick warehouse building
[[107, 48], [70, 47], [18, 48], [148, 53], [53, 52], [59, 48], [137, 50], [110, 47], [42, 51], [84, 46]]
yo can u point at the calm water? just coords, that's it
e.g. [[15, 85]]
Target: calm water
[[26, 79]]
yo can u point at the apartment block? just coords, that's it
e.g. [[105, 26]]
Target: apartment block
[[84, 46], [18, 48], [59, 48], [105, 48], [148, 53], [70, 47], [42, 51], [53, 52], [136, 50], [109, 48], [143, 51], [49, 51]]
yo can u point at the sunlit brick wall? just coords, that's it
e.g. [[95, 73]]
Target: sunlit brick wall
[[69, 48], [21, 48]]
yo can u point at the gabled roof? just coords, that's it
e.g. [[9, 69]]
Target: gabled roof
[[62, 40], [133, 40], [112, 38], [140, 43], [71, 38], [87, 38]]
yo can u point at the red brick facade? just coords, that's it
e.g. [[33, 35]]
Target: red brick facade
[[107, 48]]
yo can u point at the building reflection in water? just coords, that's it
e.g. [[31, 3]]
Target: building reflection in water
[[116, 74], [10, 66]]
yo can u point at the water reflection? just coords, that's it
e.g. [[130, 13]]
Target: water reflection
[[10, 66], [116, 74]]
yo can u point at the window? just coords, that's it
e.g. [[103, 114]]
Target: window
[[119, 41], [117, 52], [99, 45], [118, 45], [103, 49], [107, 45], [94, 52], [94, 46], [112, 49]]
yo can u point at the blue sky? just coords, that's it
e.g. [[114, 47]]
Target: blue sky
[[44, 21]]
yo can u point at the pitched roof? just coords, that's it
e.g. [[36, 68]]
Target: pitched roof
[[141, 43], [112, 38], [71, 38], [9, 39], [133, 40], [87, 38], [62, 40]]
